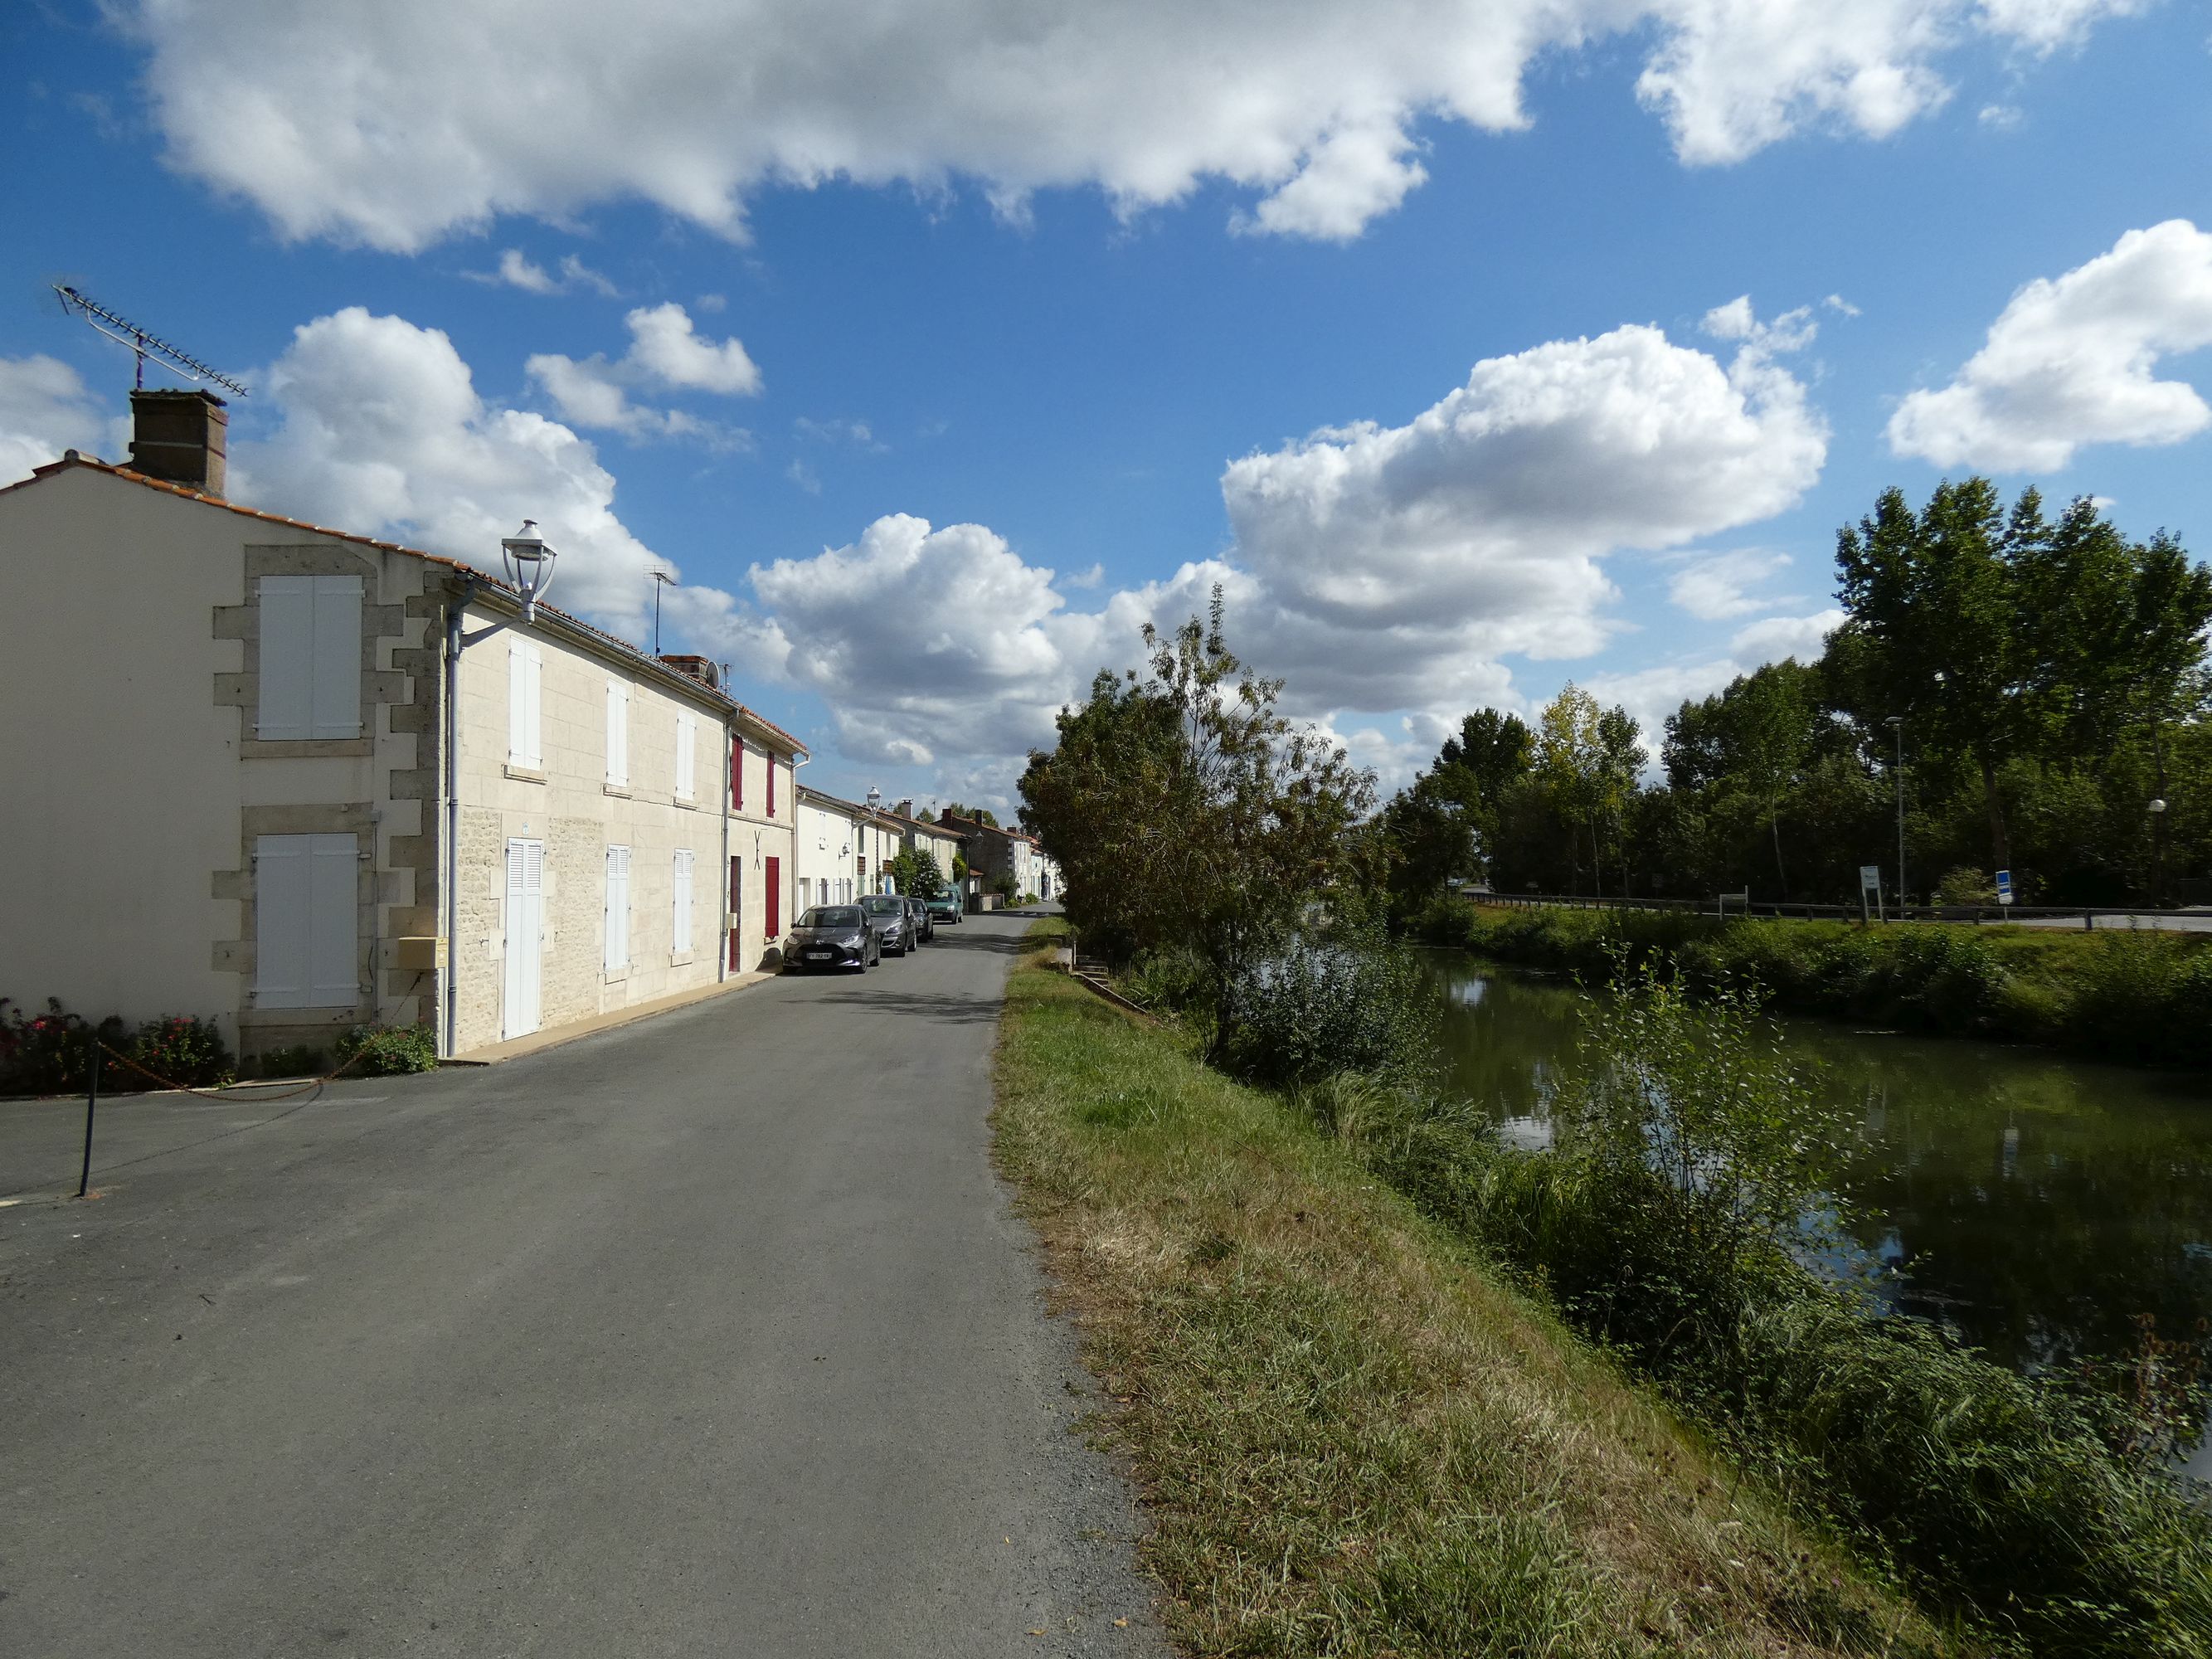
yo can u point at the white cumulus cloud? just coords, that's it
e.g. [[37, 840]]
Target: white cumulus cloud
[[382, 432], [517, 270], [665, 353], [2074, 360], [398, 124], [43, 410], [1397, 557], [1719, 585]]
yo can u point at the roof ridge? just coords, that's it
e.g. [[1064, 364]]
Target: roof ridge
[[72, 458]]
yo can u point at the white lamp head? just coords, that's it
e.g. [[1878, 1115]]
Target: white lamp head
[[2157, 806], [529, 564]]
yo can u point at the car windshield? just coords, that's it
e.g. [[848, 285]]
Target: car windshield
[[831, 916], [883, 905]]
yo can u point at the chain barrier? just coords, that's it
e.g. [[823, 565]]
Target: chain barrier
[[300, 1088]]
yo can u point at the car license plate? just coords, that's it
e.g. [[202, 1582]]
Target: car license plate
[[821, 955]]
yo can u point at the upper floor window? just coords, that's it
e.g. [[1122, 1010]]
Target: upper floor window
[[526, 676], [687, 755], [771, 757], [617, 734], [310, 665]]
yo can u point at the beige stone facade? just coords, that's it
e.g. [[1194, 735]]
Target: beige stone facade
[[180, 849]]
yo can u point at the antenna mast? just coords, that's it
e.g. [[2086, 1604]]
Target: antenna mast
[[143, 343], [662, 577]]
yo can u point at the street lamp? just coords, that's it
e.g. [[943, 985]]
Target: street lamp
[[529, 563], [1896, 725], [2157, 809]]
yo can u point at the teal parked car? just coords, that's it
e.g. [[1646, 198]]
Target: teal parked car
[[944, 906]]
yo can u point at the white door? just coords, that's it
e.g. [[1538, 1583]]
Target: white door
[[526, 917]]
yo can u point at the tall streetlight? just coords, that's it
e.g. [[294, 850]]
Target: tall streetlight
[[2157, 809], [529, 563], [1896, 725]]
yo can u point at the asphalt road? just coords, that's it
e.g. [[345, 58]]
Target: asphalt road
[[714, 1334]]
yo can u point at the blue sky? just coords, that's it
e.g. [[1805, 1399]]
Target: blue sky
[[1082, 318]]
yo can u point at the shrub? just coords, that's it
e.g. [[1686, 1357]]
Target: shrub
[[47, 1053], [183, 1048], [1324, 1006], [389, 1050], [50, 1053]]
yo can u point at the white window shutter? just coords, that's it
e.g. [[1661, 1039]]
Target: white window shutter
[[306, 921], [687, 755], [337, 657], [680, 925], [279, 922], [517, 697], [618, 920], [287, 654], [617, 734], [333, 920]]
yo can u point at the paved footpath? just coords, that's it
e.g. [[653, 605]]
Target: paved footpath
[[714, 1334]]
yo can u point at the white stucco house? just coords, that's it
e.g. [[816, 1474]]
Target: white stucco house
[[299, 780]]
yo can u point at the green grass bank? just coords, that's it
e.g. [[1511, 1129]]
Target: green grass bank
[[1356, 1435], [2126, 996]]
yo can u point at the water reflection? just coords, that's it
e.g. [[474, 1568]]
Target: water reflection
[[2037, 1204]]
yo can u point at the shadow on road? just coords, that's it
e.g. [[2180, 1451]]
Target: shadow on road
[[1005, 944], [930, 1004]]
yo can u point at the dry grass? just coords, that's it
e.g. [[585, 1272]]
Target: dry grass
[[1355, 1440]]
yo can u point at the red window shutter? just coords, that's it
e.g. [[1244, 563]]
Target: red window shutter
[[738, 775]]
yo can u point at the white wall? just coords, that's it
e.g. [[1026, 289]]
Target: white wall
[[121, 791]]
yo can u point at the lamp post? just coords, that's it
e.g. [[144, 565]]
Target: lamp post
[[875, 800], [529, 563], [2157, 809], [1896, 725]]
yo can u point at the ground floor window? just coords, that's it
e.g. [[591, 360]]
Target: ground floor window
[[618, 920], [680, 922], [306, 921]]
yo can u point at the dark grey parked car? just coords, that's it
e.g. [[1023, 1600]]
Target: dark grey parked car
[[833, 936], [924, 930], [886, 912]]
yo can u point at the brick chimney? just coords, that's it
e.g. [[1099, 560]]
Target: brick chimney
[[180, 437]]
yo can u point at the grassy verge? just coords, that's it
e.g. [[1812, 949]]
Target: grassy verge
[[1355, 1438], [2129, 996]]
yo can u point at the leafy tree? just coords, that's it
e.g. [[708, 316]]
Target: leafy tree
[[917, 874], [1934, 630], [1187, 813], [1588, 759]]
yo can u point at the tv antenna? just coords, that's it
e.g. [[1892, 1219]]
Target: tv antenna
[[662, 577], [142, 344]]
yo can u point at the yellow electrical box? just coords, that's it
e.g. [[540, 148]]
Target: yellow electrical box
[[424, 953]]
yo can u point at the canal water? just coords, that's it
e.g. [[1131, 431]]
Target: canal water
[[2040, 1205]]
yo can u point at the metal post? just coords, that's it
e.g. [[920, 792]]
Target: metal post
[[91, 1105], [1897, 727]]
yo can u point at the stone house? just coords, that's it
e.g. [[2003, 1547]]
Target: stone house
[[932, 841], [299, 780]]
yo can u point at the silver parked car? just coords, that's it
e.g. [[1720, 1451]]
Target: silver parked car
[[886, 913]]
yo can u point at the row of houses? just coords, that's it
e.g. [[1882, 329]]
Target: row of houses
[[301, 779]]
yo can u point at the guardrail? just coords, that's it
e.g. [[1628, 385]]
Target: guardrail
[[2091, 917]]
